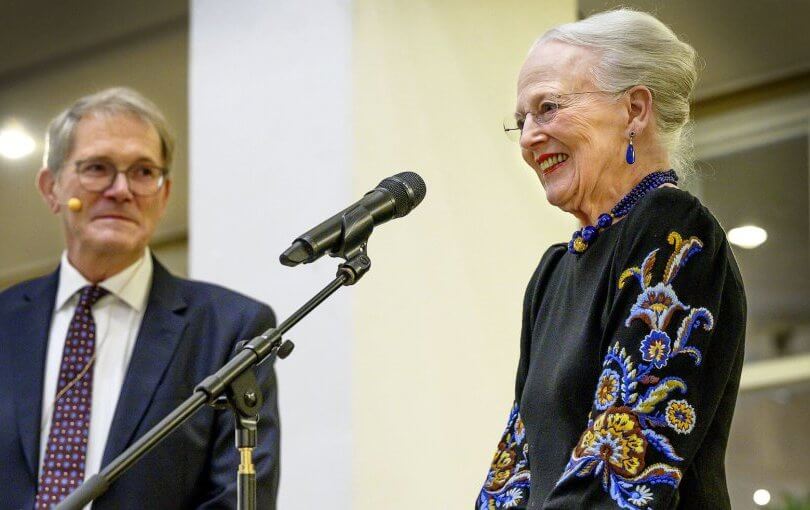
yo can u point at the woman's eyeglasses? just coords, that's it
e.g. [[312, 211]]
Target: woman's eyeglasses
[[543, 114]]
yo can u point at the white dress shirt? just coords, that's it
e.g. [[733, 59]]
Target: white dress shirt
[[118, 318]]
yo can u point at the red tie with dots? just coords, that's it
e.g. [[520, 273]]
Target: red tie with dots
[[65, 455]]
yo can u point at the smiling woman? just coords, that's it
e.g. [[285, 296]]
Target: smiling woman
[[632, 337]]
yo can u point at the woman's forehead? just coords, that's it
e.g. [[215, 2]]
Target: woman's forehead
[[555, 67]]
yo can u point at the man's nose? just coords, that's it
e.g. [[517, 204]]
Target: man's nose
[[119, 187]]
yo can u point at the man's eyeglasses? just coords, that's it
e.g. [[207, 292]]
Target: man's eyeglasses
[[144, 179], [545, 113]]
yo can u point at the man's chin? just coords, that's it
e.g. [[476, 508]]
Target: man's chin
[[115, 243]]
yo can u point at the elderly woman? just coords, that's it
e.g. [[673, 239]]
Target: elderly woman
[[632, 340]]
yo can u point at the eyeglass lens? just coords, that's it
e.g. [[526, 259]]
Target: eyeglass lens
[[143, 179]]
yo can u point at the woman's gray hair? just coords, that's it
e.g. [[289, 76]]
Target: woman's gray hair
[[635, 48], [113, 101]]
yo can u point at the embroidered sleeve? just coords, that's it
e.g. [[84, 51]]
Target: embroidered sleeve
[[658, 389], [507, 483]]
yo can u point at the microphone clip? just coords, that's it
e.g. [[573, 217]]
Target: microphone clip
[[356, 226]]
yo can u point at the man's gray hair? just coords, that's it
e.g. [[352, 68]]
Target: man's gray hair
[[112, 101], [635, 48]]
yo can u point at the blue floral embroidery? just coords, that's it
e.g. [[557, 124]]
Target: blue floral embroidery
[[507, 484], [615, 444], [607, 391], [655, 348]]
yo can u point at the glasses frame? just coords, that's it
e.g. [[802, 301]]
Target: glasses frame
[[509, 129], [127, 174]]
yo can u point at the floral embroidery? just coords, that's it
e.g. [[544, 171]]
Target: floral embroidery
[[631, 394], [680, 416], [655, 348], [607, 390], [616, 439], [641, 496], [507, 483]]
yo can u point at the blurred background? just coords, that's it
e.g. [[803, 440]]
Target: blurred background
[[284, 113]]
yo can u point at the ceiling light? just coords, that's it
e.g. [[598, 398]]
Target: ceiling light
[[15, 143], [762, 497], [748, 236]]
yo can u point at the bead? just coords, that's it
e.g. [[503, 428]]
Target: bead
[[588, 233], [582, 238]]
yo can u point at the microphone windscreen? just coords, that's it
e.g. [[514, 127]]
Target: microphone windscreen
[[408, 190], [74, 204]]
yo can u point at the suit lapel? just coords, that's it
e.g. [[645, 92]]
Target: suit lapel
[[160, 332], [29, 334]]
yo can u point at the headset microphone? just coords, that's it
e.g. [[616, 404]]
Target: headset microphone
[[74, 204]]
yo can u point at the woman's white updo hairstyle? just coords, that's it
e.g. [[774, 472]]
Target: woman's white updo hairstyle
[[637, 49]]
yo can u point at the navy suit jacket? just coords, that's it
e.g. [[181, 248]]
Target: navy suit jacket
[[188, 331]]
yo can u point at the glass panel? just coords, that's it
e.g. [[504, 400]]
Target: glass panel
[[768, 187]]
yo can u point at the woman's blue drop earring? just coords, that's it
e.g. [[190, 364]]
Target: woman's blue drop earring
[[630, 155]]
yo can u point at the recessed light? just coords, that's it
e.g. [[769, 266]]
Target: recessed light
[[762, 497], [748, 236], [15, 143]]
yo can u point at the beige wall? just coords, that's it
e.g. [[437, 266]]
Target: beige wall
[[432, 389]]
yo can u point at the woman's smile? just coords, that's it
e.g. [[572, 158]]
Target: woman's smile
[[548, 163]]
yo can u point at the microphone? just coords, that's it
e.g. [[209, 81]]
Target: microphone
[[393, 197], [74, 204]]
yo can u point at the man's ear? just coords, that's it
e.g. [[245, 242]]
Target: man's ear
[[640, 109], [46, 181]]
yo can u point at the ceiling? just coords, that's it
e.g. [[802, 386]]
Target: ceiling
[[742, 43], [33, 32]]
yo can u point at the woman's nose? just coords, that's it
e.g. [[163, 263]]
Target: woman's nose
[[531, 134]]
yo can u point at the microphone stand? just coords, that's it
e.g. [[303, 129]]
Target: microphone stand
[[234, 385]]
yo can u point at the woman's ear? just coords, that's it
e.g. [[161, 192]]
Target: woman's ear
[[46, 181], [640, 109]]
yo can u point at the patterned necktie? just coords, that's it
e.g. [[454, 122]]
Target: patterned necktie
[[63, 466]]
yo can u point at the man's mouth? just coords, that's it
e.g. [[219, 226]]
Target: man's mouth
[[549, 163], [114, 217]]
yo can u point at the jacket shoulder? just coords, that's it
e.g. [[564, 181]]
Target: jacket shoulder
[[29, 288], [211, 298]]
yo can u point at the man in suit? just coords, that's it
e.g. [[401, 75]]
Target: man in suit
[[96, 353]]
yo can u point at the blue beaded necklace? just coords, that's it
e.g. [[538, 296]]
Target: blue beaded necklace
[[583, 237]]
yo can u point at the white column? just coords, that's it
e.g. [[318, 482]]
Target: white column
[[270, 142]]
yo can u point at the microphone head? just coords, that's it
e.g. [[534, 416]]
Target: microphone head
[[408, 190], [74, 204]]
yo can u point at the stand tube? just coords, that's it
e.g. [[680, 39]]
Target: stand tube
[[246, 474], [207, 392]]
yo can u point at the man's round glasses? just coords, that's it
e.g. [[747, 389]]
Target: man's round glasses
[[144, 179], [546, 112]]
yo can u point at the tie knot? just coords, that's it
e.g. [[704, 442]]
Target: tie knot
[[90, 294]]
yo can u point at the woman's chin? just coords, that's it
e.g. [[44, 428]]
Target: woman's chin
[[557, 192], [554, 199]]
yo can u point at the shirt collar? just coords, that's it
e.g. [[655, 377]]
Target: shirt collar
[[130, 285]]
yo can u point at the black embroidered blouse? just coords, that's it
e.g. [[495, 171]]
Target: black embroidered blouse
[[630, 363]]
